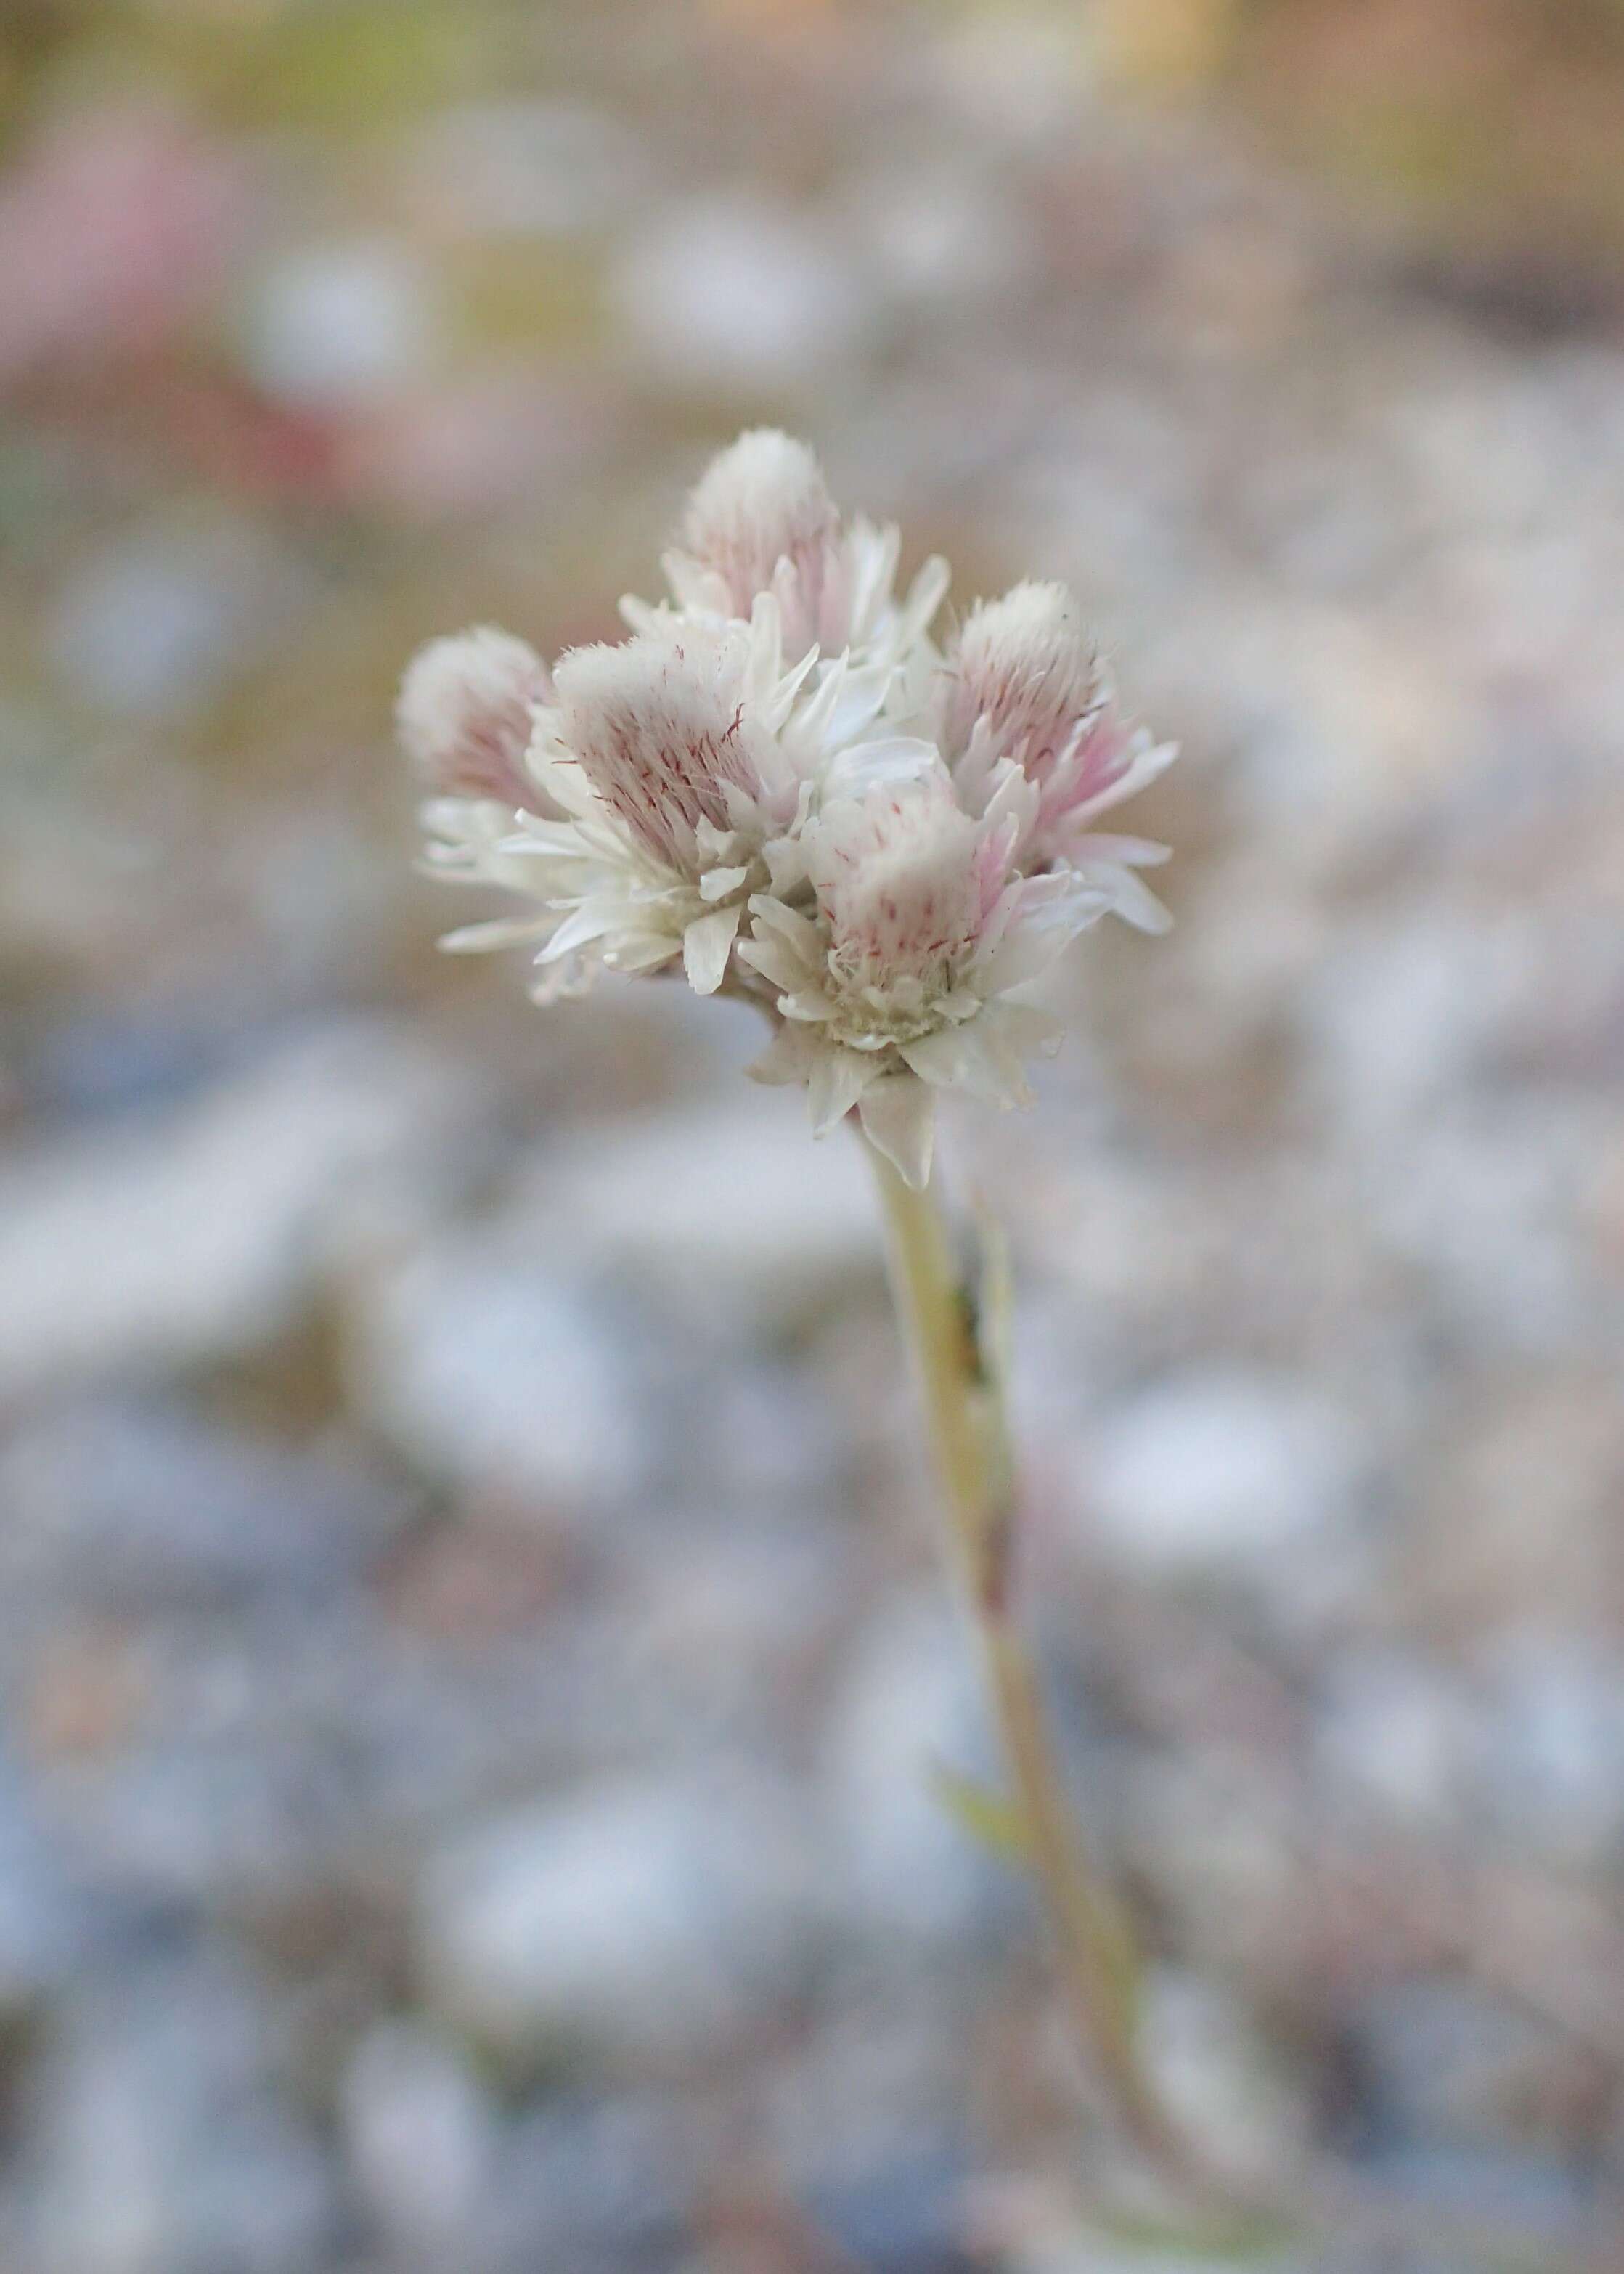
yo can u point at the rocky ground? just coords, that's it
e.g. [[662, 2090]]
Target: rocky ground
[[471, 1647]]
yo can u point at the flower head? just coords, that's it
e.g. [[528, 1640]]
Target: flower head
[[466, 712], [1021, 673], [1023, 687], [664, 733], [679, 759], [906, 889], [761, 520], [779, 783], [891, 982]]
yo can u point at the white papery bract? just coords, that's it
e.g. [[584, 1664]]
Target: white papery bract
[[1022, 687], [761, 520], [891, 982], [678, 757], [465, 716], [1020, 669], [664, 754], [465, 711], [781, 784]]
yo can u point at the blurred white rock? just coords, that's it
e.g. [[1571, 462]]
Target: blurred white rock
[[1219, 2080], [494, 1373], [420, 2133], [1552, 1765], [1216, 1467], [733, 291], [907, 1710], [164, 2145], [769, 1436], [43, 1917], [338, 324], [1489, 1205], [730, 1209], [641, 1920], [591, 2181], [1398, 1735], [198, 1235], [155, 619], [117, 1505], [1397, 1018]]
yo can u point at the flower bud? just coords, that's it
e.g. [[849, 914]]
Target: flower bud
[[465, 716], [659, 725], [761, 502], [898, 879], [1023, 673]]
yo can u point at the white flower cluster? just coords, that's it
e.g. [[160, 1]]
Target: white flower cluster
[[783, 782]]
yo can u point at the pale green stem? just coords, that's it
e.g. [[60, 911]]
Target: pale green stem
[[965, 1419], [959, 1377]]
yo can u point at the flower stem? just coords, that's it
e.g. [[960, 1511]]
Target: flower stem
[[959, 1382]]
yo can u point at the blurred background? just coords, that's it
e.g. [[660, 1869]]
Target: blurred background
[[471, 1646]]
